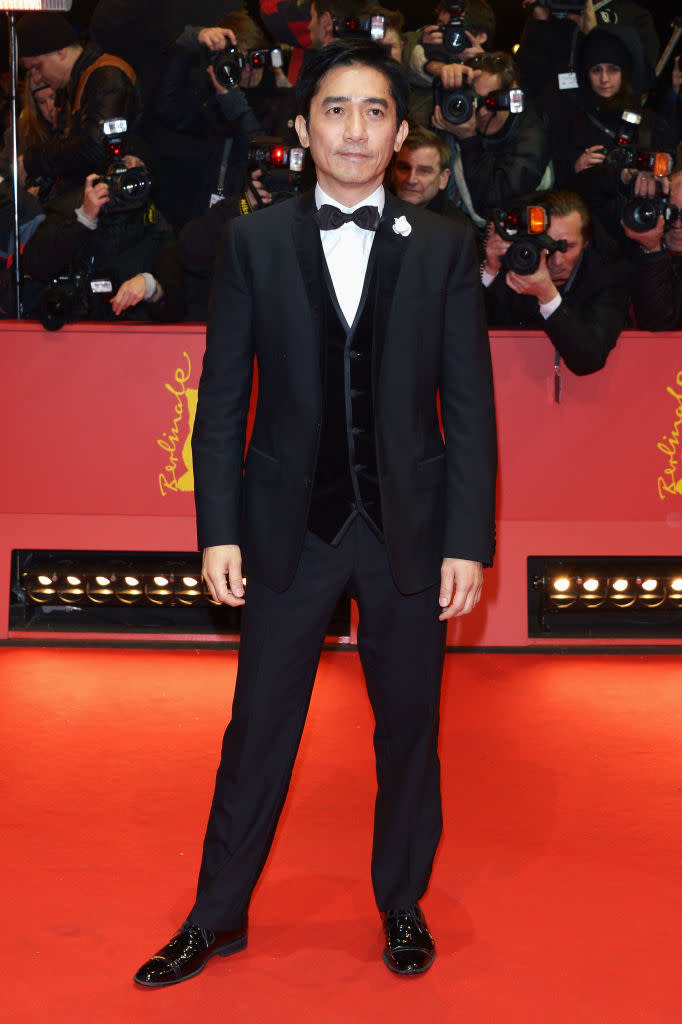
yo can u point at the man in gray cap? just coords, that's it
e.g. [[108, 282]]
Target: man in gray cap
[[91, 87]]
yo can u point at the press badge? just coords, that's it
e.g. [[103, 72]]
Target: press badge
[[567, 80]]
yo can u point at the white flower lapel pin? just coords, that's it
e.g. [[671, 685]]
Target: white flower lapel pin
[[402, 226]]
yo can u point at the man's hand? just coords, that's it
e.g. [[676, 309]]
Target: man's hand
[[95, 195], [461, 582], [217, 39], [461, 131], [540, 13], [256, 193], [651, 239], [677, 76], [592, 156], [586, 20], [220, 561], [495, 248], [130, 293], [539, 284]]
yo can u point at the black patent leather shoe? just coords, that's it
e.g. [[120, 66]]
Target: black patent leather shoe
[[187, 953], [409, 947]]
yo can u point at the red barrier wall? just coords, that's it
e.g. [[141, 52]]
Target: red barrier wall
[[97, 421]]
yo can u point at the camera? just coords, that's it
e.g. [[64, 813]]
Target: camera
[[281, 166], [74, 296], [458, 105], [373, 26], [228, 64], [641, 213], [526, 228], [129, 187], [560, 8], [455, 37]]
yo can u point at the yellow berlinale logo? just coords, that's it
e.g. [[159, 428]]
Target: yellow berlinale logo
[[670, 482], [177, 474]]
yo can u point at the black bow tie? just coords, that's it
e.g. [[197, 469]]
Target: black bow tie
[[330, 217]]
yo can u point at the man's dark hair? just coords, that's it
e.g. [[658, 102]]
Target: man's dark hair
[[419, 137], [345, 53], [561, 203], [479, 15]]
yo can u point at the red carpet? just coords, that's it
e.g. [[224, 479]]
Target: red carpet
[[557, 891]]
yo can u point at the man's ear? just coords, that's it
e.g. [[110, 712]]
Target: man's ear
[[302, 131], [401, 135], [444, 179], [327, 25], [481, 38]]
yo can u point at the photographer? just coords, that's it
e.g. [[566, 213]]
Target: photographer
[[456, 38], [555, 31], [497, 154], [597, 132], [578, 296], [657, 278], [420, 172], [104, 256], [219, 91], [91, 87]]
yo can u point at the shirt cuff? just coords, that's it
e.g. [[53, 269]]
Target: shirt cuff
[[83, 218], [149, 285], [547, 308]]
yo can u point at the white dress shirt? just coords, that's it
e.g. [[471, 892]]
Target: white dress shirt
[[346, 250]]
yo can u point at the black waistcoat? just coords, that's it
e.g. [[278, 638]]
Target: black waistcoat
[[346, 478]]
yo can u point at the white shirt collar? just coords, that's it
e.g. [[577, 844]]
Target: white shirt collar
[[377, 198]]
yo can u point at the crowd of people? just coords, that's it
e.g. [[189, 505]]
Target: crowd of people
[[133, 152]]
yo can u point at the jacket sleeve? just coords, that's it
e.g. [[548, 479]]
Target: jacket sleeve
[[53, 246], [657, 293], [219, 435]]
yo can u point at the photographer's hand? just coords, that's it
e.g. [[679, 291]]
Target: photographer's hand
[[539, 284], [471, 51], [95, 195], [592, 156], [676, 76], [586, 20], [217, 39], [495, 248], [256, 194], [460, 131], [645, 185], [131, 293], [650, 240], [540, 13]]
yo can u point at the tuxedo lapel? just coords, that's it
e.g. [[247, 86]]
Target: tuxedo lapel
[[309, 255], [390, 249]]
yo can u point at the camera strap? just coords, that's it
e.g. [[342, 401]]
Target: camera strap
[[106, 60]]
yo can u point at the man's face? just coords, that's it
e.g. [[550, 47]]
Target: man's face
[[48, 69], [316, 30], [673, 235], [562, 264], [351, 131], [417, 175], [393, 43], [488, 122]]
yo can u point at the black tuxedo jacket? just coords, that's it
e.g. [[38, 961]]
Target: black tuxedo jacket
[[430, 339]]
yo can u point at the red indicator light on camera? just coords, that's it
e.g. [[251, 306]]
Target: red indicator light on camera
[[277, 155]]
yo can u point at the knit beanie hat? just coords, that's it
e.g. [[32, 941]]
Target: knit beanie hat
[[43, 32], [602, 46]]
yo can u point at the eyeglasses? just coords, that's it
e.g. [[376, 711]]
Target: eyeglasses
[[491, 62], [675, 216]]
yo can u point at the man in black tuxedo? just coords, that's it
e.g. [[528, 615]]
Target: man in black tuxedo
[[360, 310]]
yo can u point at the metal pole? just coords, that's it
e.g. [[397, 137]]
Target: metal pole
[[15, 162]]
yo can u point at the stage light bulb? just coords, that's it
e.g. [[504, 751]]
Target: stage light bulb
[[190, 581], [102, 581], [676, 584], [161, 581], [45, 580], [620, 585], [131, 581], [591, 585], [73, 581], [562, 583], [649, 585]]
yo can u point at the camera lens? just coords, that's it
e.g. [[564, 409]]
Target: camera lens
[[522, 257], [133, 185], [640, 214], [458, 105]]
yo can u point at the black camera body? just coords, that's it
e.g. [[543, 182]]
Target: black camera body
[[129, 187], [641, 213], [455, 38], [458, 105], [281, 166], [526, 228], [228, 64], [74, 296], [560, 8], [373, 27]]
